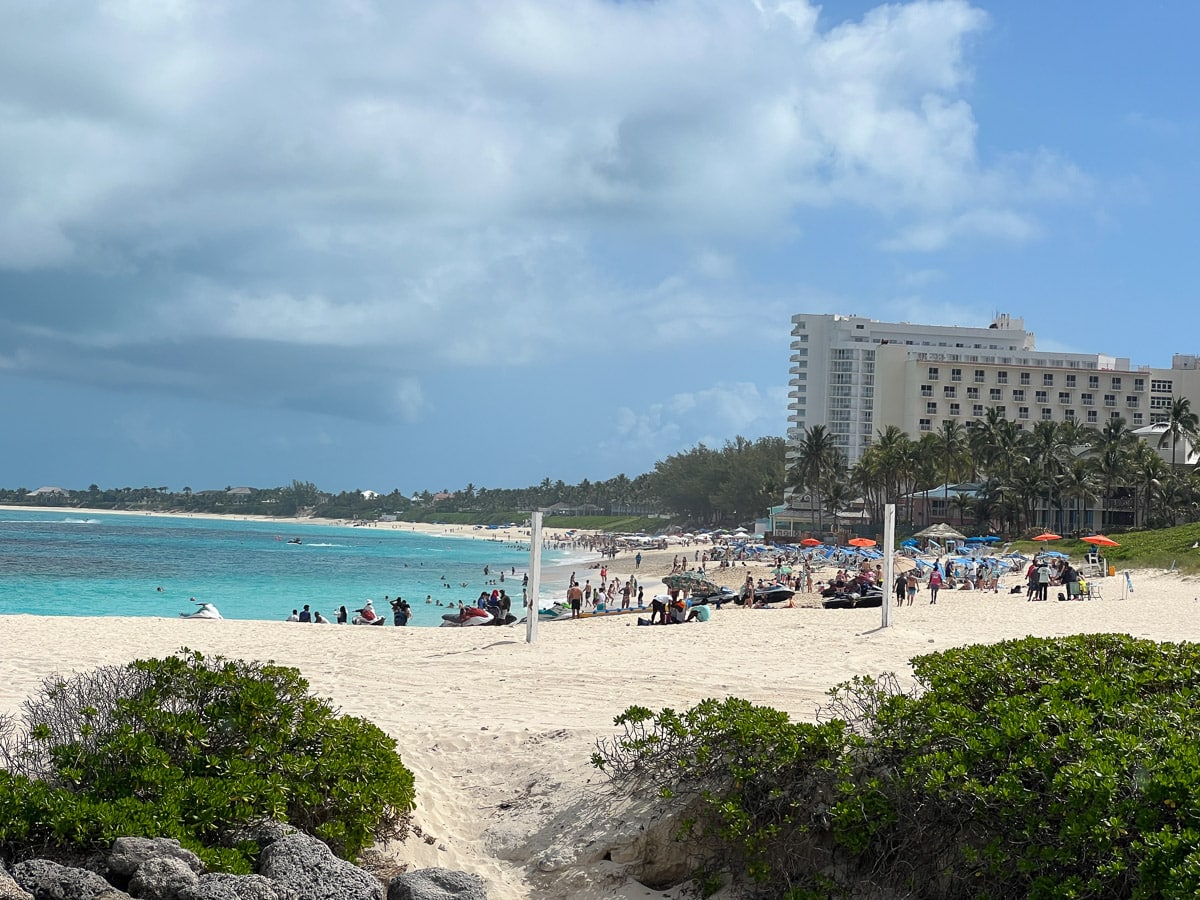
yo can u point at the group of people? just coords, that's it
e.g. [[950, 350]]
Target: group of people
[[366, 615], [605, 596], [1044, 573]]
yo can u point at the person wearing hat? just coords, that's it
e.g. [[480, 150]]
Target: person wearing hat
[[366, 615]]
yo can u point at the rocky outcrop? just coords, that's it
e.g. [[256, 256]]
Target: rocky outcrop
[[437, 884], [303, 864], [47, 880], [291, 866], [130, 853], [218, 886], [161, 878]]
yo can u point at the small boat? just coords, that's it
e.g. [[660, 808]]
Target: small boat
[[202, 611], [295, 541]]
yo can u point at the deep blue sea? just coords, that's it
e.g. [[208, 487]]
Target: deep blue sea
[[91, 564]]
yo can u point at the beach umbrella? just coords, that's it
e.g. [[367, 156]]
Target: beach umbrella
[[810, 542], [1100, 540], [902, 564], [860, 542], [1048, 536]]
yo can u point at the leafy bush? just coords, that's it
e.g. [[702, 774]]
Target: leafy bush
[[1034, 768], [194, 748]]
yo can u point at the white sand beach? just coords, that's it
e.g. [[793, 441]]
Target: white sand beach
[[499, 731]]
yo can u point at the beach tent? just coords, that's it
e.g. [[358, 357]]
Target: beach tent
[[940, 532]]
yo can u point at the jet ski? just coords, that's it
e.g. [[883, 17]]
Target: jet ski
[[202, 611]]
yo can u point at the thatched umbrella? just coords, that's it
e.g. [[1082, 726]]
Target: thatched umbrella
[[941, 532]]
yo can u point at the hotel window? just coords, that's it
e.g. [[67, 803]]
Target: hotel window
[[1022, 412], [993, 393], [955, 410], [1160, 402], [1137, 418], [1064, 396], [980, 375], [1018, 395], [1093, 417], [949, 390], [956, 374], [1114, 415], [972, 393], [1139, 384], [1159, 386], [977, 410], [1086, 400], [933, 373], [1116, 383], [1093, 381], [1001, 377], [927, 390], [1002, 412], [1041, 396], [931, 408], [1047, 414], [1069, 415], [1070, 381], [926, 425], [1131, 401], [1025, 378], [1110, 399], [1047, 379]]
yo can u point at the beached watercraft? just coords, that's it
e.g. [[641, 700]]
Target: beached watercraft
[[775, 593], [471, 615], [203, 611], [852, 600]]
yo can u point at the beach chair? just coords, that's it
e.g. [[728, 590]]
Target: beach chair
[[1093, 591]]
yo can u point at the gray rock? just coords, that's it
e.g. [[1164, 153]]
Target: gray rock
[[9, 889], [437, 884], [216, 886], [47, 880], [161, 878], [263, 832], [304, 865], [128, 854]]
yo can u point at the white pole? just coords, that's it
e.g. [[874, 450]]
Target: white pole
[[535, 577], [889, 550]]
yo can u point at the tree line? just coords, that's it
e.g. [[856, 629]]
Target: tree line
[[730, 485]]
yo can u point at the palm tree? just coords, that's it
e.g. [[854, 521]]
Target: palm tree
[[1181, 422], [951, 440], [817, 456]]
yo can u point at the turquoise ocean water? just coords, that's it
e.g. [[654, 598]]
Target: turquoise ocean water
[[90, 564]]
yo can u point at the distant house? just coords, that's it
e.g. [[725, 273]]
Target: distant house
[[48, 492], [240, 492], [369, 495], [566, 509]]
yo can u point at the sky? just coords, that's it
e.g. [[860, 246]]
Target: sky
[[402, 245]]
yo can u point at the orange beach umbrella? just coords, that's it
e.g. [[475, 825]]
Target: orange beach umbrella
[[861, 542], [810, 542], [1048, 536], [1100, 540]]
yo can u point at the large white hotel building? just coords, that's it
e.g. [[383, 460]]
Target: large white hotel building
[[856, 376]]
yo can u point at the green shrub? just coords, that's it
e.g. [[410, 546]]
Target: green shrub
[[194, 748], [1034, 768]]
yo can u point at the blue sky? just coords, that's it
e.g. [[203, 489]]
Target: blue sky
[[402, 245]]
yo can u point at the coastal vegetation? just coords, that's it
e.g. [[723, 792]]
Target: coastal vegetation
[[1051, 475], [1032, 768], [195, 749]]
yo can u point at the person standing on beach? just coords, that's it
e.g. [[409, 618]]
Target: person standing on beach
[[575, 598], [637, 560], [935, 582], [342, 615], [910, 586]]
